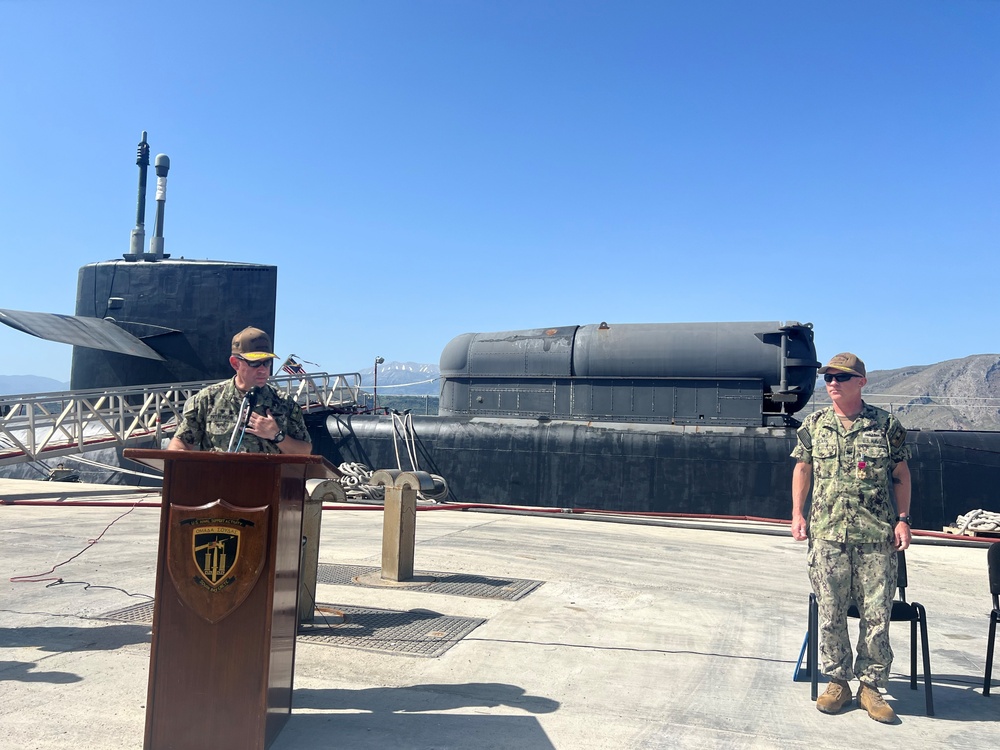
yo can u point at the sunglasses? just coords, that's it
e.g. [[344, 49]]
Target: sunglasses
[[255, 365], [840, 377]]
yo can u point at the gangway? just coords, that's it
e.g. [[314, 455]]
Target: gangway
[[47, 425]]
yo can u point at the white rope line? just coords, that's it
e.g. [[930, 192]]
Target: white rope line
[[356, 476], [407, 385], [402, 430], [355, 483], [978, 520]]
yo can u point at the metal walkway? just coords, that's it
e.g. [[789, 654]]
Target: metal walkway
[[46, 425]]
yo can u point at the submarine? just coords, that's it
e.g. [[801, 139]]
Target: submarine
[[661, 418], [146, 318], [669, 418]]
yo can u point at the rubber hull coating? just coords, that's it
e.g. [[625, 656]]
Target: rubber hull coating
[[724, 471]]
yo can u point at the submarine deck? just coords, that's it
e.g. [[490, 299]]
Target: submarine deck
[[560, 632]]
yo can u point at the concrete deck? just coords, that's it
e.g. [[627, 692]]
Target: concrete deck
[[640, 636]]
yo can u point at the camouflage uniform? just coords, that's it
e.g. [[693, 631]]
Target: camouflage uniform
[[210, 416], [852, 556]]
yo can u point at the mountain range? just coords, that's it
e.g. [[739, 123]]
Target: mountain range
[[957, 394], [403, 379], [23, 384]]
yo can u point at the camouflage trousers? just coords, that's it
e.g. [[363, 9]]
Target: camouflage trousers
[[860, 574]]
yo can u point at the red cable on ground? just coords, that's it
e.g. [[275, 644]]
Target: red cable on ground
[[641, 514], [81, 504], [510, 508], [37, 577]]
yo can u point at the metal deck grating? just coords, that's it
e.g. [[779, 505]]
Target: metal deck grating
[[456, 584], [139, 613], [414, 633]]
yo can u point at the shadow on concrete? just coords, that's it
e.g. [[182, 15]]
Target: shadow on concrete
[[20, 671], [337, 620], [418, 698], [411, 731], [380, 717], [956, 698], [61, 638]]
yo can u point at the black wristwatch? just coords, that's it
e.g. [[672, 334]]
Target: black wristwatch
[[279, 437], [905, 518]]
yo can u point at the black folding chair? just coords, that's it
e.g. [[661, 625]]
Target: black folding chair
[[902, 611], [993, 559]]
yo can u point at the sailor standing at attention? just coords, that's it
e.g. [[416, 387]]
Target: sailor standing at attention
[[854, 457], [212, 417]]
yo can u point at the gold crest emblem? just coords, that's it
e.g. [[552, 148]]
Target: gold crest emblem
[[217, 552], [216, 549]]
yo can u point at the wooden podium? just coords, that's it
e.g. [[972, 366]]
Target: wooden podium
[[226, 610]]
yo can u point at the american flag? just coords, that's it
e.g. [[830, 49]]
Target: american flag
[[293, 368]]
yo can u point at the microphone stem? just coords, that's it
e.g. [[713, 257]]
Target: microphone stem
[[241, 424]]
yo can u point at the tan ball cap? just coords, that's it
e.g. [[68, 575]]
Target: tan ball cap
[[845, 362], [253, 344]]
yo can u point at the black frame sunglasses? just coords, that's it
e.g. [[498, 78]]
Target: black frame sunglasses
[[255, 365], [840, 377]]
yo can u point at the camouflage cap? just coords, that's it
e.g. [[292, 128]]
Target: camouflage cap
[[253, 344], [845, 362]]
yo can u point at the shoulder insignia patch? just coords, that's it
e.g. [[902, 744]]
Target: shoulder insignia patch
[[896, 435], [805, 437]]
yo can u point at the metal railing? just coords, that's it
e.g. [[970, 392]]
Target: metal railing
[[43, 425]]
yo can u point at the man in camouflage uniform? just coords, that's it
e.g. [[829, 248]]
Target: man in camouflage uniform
[[276, 424], [856, 455]]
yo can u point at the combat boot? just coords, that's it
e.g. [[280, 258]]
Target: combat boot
[[871, 700], [837, 695]]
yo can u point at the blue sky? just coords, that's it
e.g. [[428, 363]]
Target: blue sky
[[417, 170]]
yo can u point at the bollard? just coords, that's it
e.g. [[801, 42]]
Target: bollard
[[399, 519], [318, 491], [312, 513]]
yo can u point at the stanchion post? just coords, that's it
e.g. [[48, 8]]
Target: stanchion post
[[399, 520]]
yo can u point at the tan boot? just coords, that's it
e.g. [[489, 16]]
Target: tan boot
[[871, 700], [837, 695]]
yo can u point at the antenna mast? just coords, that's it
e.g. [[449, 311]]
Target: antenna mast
[[162, 166]]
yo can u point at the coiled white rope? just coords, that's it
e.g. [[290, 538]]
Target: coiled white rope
[[356, 479], [355, 483], [978, 520], [356, 476]]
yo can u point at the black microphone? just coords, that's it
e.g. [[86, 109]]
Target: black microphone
[[243, 419], [251, 399]]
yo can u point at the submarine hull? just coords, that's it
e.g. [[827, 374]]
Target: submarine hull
[[185, 310], [724, 471]]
